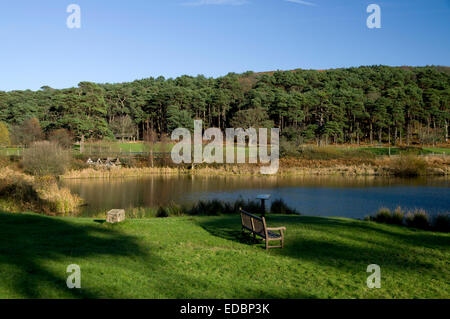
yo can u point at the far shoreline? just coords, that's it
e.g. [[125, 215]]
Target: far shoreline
[[383, 167]]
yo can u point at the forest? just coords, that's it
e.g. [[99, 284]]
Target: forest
[[371, 104]]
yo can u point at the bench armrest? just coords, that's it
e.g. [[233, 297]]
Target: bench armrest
[[276, 228]]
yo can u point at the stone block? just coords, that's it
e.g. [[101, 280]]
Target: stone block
[[115, 216]]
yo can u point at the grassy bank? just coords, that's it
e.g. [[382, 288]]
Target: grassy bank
[[206, 257]]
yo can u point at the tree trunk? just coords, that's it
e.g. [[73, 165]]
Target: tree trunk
[[408, 128], [446, 131], [82, 144], [389, 140], [371, 132], [357, 133]]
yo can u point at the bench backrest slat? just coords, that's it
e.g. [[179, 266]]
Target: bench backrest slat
[[254, 223], [258, 226], [247, 221]]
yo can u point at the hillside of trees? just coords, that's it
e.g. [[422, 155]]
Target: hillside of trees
[[372, 104]]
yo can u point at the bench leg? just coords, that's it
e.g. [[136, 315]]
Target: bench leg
[[267, 244]]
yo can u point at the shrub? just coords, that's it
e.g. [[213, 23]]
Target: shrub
[[320, 153], [46, 158], [280, 207], [288, 148], [4, 135], [409, 166], [28, 132], [442, 222], [417, 219], [162, 212], [78, 164], [62, 137]]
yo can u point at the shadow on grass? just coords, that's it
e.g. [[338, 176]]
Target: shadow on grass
[[344, 243], [228, 229], [36, 250], [28, 242], [397, 236], [349, 245]]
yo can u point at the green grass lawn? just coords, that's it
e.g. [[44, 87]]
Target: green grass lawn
[[207, 257]]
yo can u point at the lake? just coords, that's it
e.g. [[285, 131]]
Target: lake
[[354, 197]]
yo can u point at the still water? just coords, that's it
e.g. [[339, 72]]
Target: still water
[[354, 197]]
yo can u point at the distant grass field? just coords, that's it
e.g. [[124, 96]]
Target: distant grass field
[[110, 148], [119, 147], [207, 257], [381, 151], [437, 150], [135, 147], [11, 151], [139, 147]]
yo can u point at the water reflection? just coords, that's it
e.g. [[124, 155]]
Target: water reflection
[[322, 196]]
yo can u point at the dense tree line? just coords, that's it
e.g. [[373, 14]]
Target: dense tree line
[[375, 103]]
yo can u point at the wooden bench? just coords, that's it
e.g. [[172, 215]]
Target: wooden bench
[[257, 226]]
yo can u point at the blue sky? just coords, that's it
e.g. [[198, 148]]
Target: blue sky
[[127, 40]]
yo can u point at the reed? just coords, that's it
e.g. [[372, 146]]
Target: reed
[[39, 194], [417, 218], [213, 207]]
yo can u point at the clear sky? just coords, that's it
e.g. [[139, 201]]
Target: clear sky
[[126, 40]]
